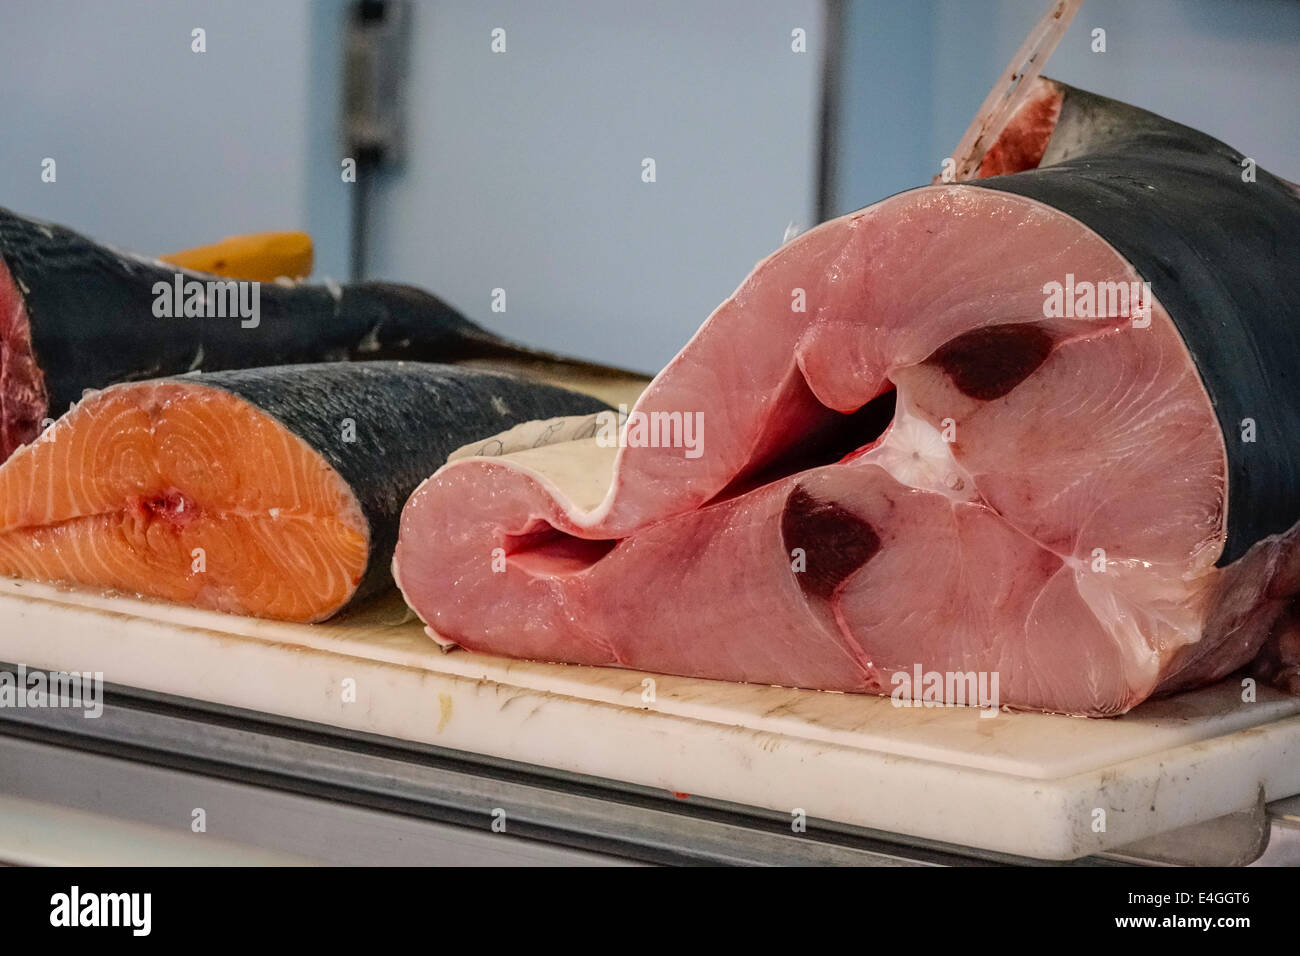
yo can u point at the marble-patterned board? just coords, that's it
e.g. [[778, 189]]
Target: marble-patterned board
[[1030, 784]]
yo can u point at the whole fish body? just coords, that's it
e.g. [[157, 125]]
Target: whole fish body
[[76, 314]]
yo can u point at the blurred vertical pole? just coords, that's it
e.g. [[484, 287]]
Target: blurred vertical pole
[[359, 217], [374, 73], [833, 41], [327, 198]]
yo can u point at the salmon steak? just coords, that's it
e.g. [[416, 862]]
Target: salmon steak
[[267, 492], [76, 314], [1042, 427]]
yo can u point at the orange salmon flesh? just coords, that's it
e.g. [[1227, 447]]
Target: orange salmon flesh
[[187, 493]]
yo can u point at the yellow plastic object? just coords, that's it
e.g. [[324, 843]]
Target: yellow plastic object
[[258, 257]]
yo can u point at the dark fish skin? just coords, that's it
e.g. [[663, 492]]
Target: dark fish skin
[[90, 309], [409, 416], [1221, 255]]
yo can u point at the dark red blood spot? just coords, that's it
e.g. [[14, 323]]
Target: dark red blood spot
[[171, 506], [835, 542], [990, 362]]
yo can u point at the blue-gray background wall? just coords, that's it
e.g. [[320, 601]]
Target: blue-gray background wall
[[156, 147], [523, 170]]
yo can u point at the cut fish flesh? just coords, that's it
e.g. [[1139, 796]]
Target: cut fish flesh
[[270, 492], [936, 437]]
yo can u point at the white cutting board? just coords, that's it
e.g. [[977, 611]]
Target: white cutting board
[[1027, 784]]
